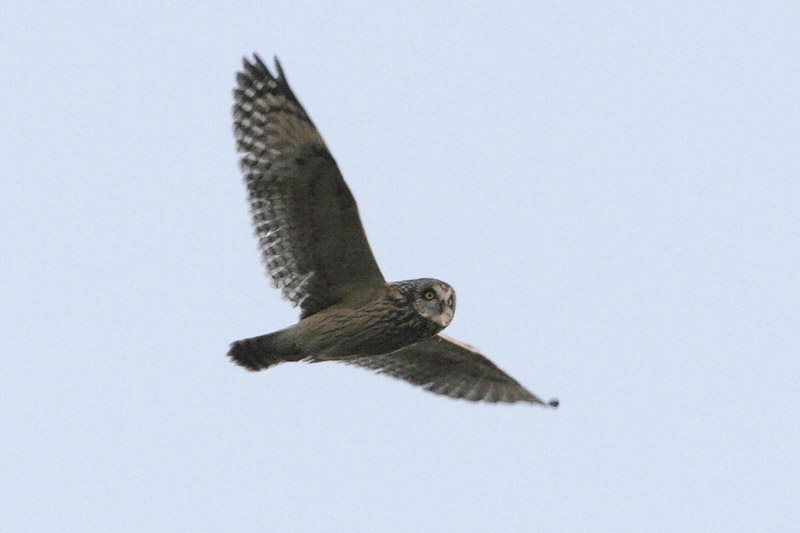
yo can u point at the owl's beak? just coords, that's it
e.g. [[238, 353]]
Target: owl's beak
[[445, 316]]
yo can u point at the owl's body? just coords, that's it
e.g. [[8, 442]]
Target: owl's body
[[387, 323], [379, 327], [316, 252]]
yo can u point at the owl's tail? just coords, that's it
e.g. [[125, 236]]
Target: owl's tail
[[258, 353]]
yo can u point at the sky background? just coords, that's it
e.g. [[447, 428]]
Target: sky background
[[611, 187]]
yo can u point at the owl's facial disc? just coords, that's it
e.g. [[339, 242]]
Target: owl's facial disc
[[436, 301]]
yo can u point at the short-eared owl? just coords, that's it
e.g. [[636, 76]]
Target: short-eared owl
[[314, 249]]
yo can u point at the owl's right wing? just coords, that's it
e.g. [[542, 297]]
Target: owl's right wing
[[443, 365], [310, 234]]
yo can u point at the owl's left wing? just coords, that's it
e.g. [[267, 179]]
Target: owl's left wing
[[310, 233], [443, 365]]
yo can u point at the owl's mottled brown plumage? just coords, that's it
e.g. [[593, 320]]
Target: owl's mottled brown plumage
[[315, 250], [304, 215]]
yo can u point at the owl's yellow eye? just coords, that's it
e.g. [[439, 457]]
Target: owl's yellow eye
[[429, 295]]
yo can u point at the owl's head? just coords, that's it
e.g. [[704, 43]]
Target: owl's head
[[433, 299]]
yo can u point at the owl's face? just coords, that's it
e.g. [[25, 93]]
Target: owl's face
[[434, 300]]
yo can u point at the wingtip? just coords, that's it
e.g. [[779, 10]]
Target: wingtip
[[255, 67], [552, 403], [279, 68], [261, 65]]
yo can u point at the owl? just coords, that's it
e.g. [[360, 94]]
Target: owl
[[314, 248]]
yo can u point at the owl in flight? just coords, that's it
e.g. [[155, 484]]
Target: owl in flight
[[315, 250]]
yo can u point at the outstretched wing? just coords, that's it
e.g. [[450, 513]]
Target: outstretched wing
[[446, 366], [305, 217]]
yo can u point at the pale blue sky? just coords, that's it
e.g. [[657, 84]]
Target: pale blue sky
[[611, 187]]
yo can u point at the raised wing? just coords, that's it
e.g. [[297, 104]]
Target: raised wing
[[446, 366], [305, 217]]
